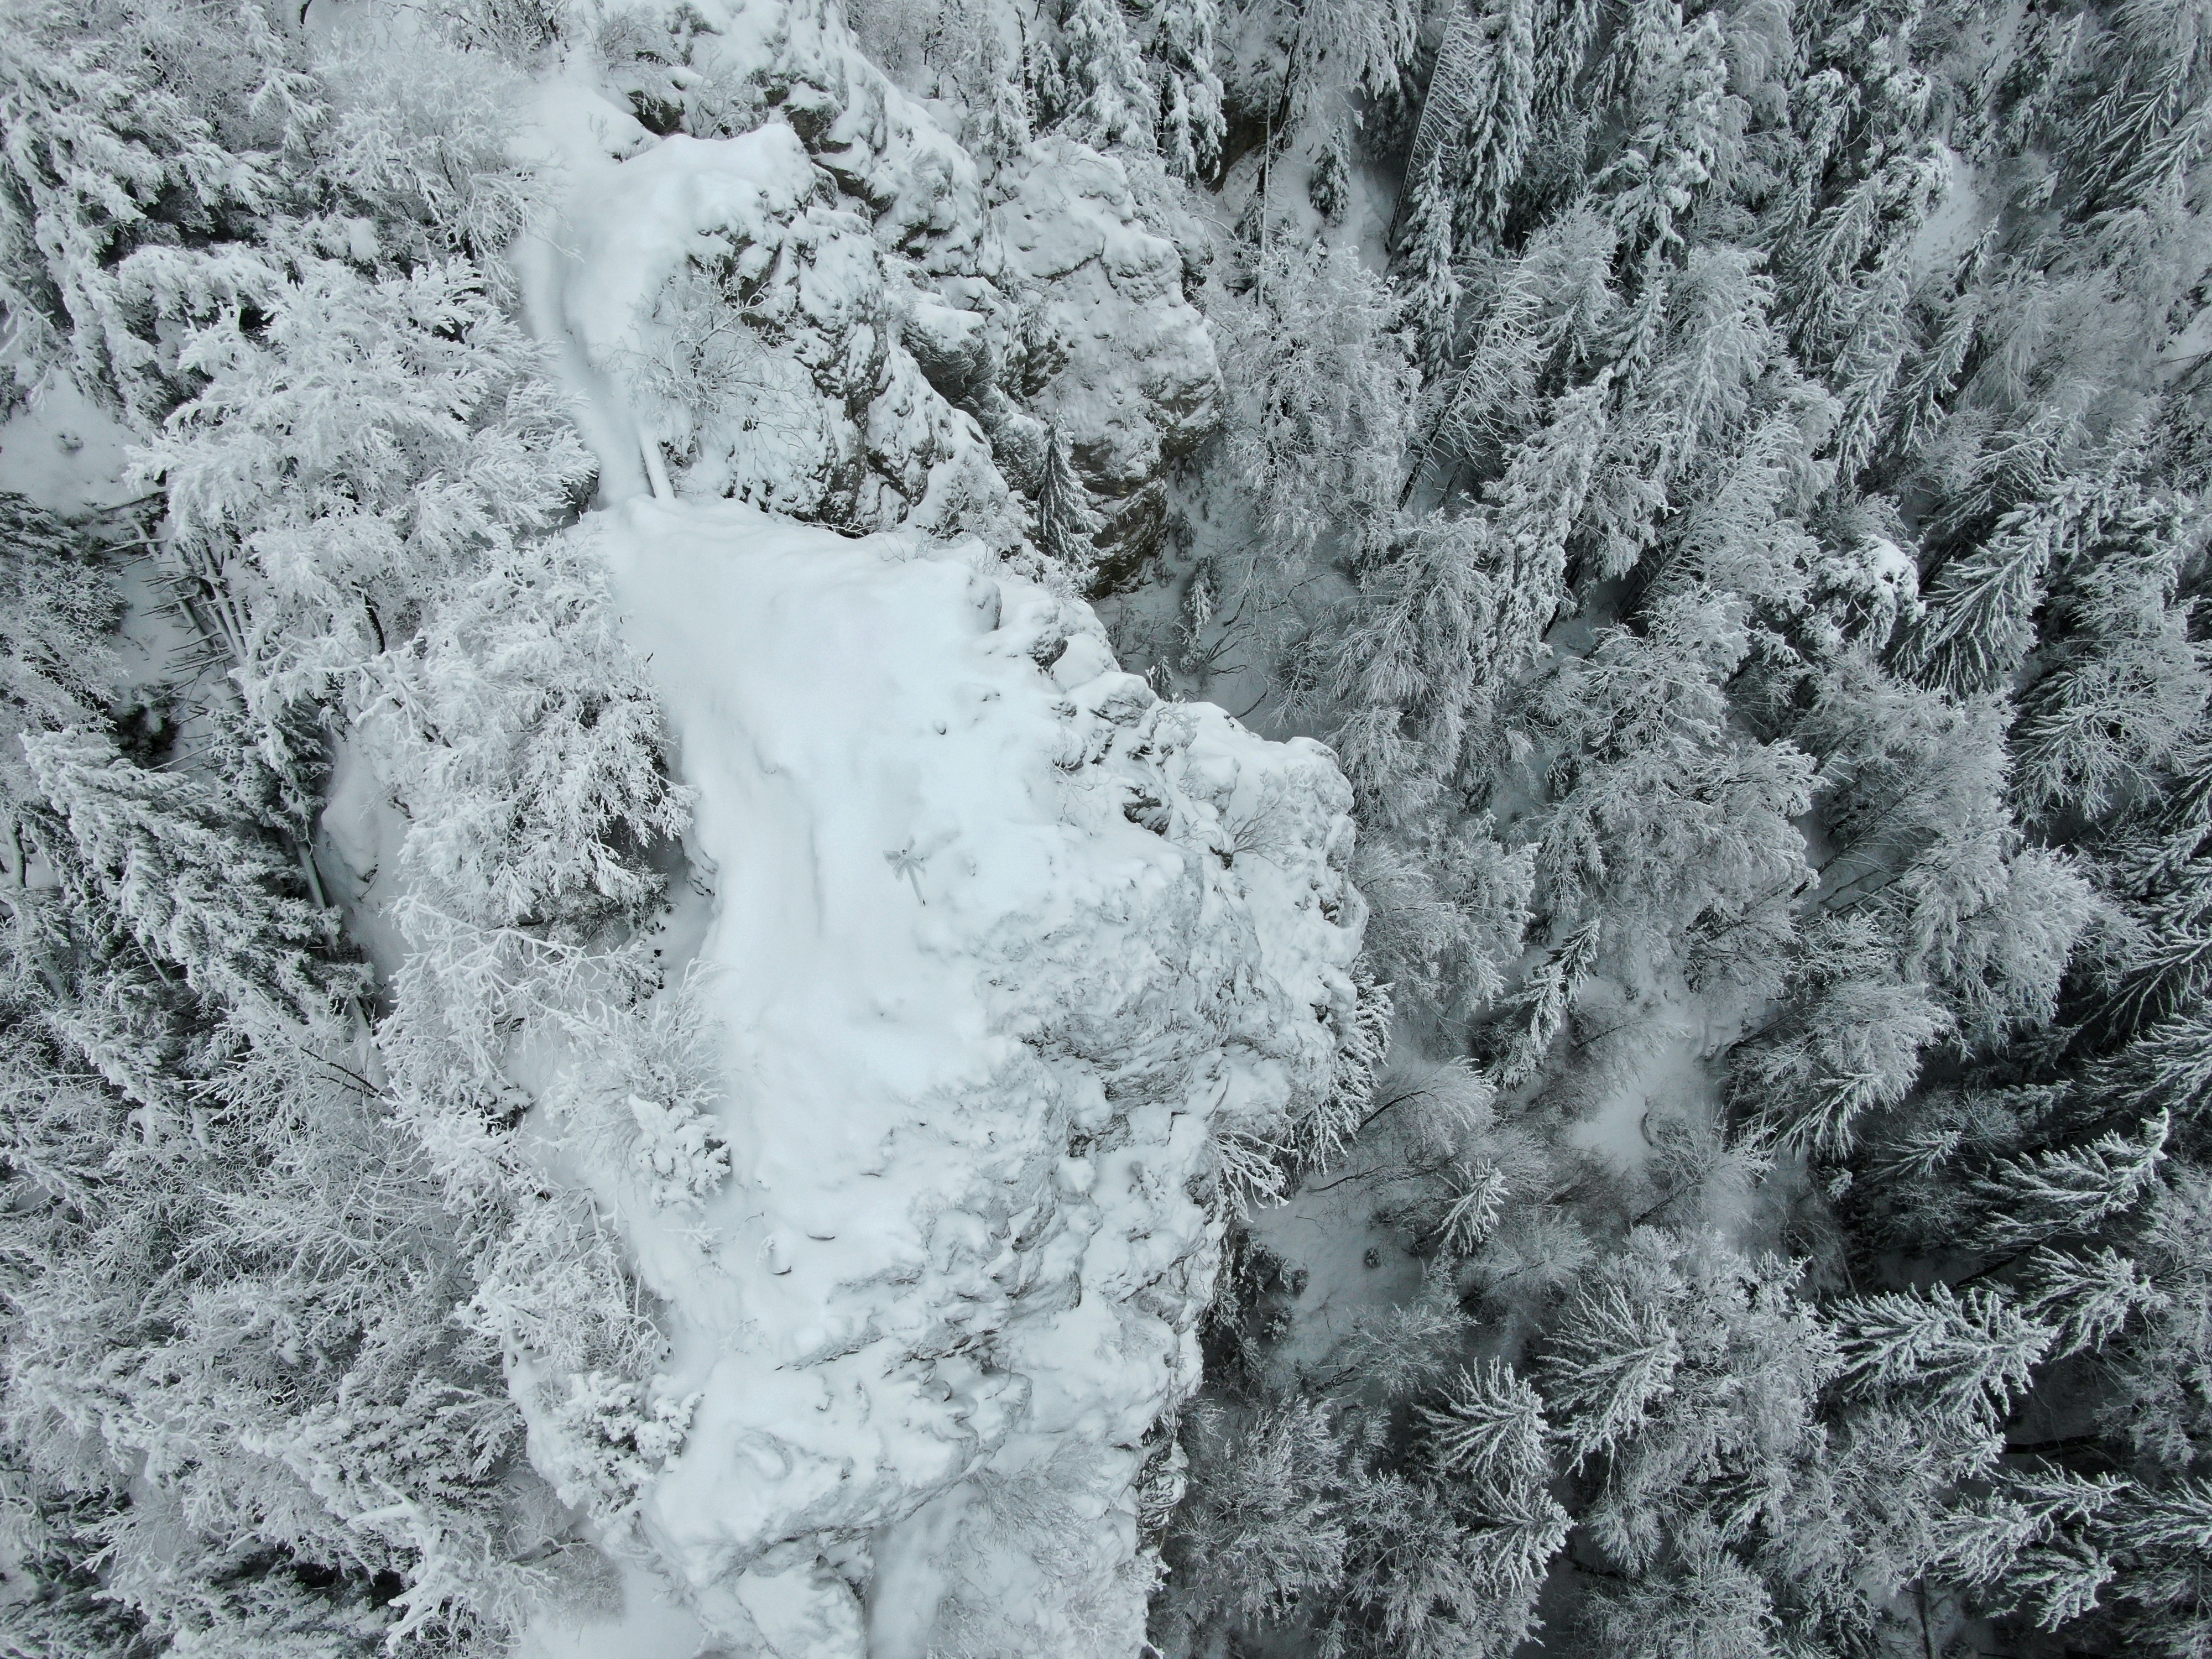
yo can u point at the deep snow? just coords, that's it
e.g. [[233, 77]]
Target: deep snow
[[991, 975]]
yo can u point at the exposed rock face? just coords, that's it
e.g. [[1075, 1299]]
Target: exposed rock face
[[745, 315], [1001, 946], [1116, 358], [940, 336]]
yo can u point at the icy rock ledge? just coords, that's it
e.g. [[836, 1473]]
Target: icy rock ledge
[[999, 943]]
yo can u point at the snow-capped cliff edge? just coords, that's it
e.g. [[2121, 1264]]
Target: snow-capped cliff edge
[[999, 945], [808, 294]]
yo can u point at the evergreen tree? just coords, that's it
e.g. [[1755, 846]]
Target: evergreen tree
[[1712, 1607], [1658, 815], [1979, 626], [1191, 122], [2071, 1191], [1326, 52], [1490, 1427], [1446, 916], [1416, 667], [1539, 1008], [367, 446], [59, 666], [1431, 285], [1534, 318], [1656, 178], [528, 745], [2121, 682], [165, 854], [1426, 1578], [2089, 1298], [1455, 82], [1969, 1356], [1565, 34], [1850, 1040], [1323, 392], [1108, 96], [1615, 1353], [1490, 95], [1257, 1532], [59, 612], [129, 129], [1064, 522], [1547, 482]]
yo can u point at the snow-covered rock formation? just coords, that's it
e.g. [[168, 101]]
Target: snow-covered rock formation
[[811, 296], [727, 294], [1001, 948], [1120, 362], [1004, 951]]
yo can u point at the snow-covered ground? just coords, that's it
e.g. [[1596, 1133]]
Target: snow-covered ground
[[62, 451], [991, 973]]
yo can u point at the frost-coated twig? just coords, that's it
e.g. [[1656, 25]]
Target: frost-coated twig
[[905, 862]]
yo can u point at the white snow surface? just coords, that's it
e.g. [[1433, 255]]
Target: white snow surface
[[999, 943]]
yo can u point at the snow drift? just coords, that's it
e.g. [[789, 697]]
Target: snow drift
[[1000, 946]]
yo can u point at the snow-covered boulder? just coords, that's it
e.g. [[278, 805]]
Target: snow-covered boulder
[[1000, 947]]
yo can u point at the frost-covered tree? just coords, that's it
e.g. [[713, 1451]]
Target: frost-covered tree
[[1432, 285], [1323, 390], [2071, 1191], [2161, 1409], [1485, 91], [411, 162], [1659, 815], [1540, 313], [1490, 1426], [1851, 1040], [1712, 1607], [1902, 766], [1979, 624], [1616, 1353], [1657, 177], [1445, 916], [1108, 97], [1455, 80], [1312, 59], [165, 854], [1065, 520], [1435, 1570], [1415, 667], [1727, 1402], [1181, 46], [1968, 1356], [1712, 363], [1535, 1014], [374, 439], [59, 666], [129, 130], [2121, 682], [1258, 1531]]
